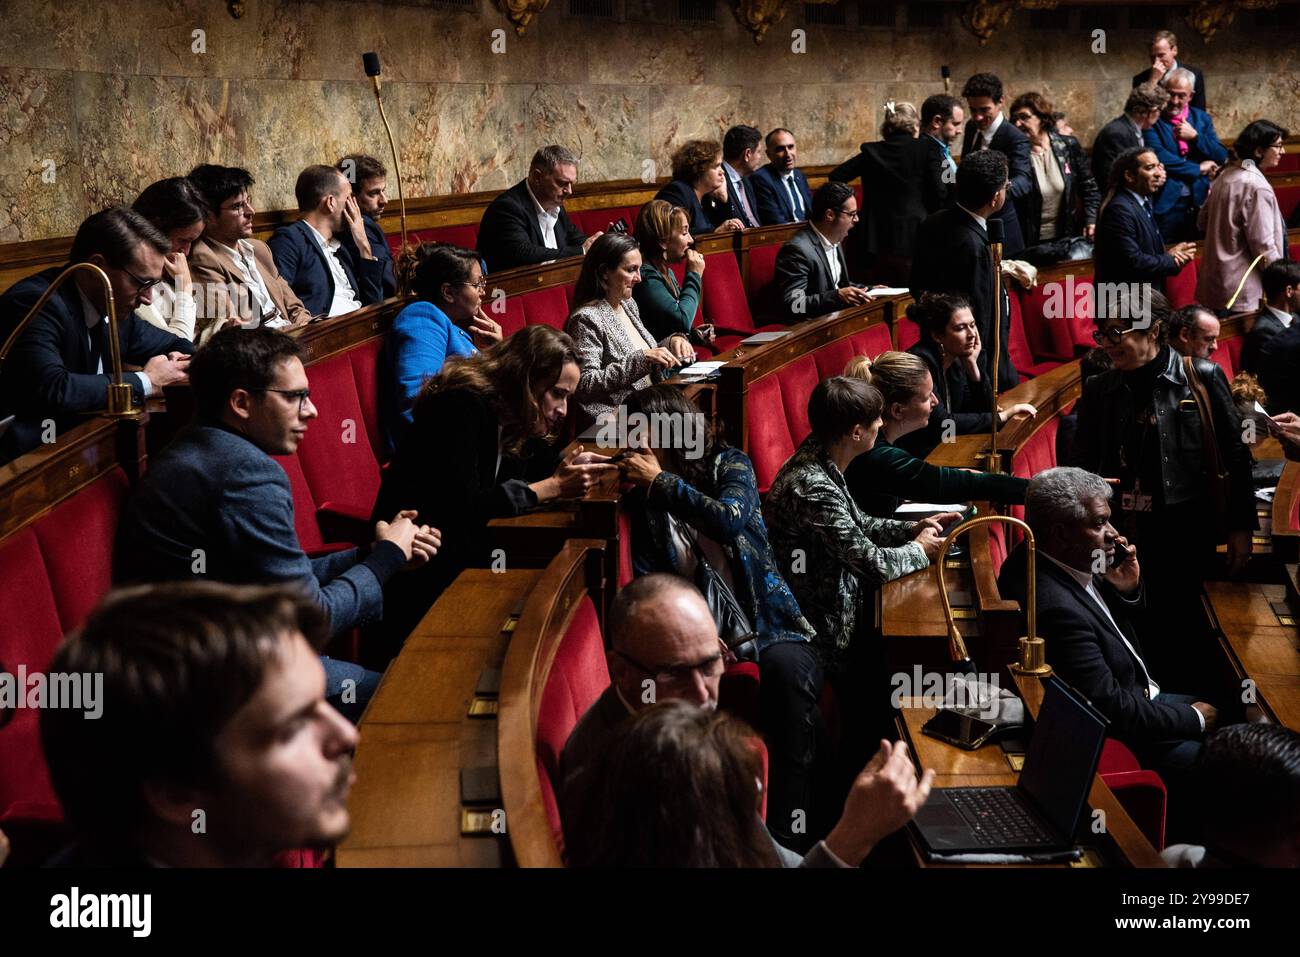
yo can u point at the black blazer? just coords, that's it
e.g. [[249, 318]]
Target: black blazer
[[803, 274], [1198, 95], [893, 173], [774, 205], [1129, 247], [1087, 652], [734, 209], [1276, 362], [953, 256], [446, 468], [48, 374], [509, 236], [383, 255], [705, 215], [1266, 327], [937, 192], [1020, 172], [301, 262], [1115, 137], [1080, 188]]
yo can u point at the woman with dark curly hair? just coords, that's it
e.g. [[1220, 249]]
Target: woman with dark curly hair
[[700, 186]]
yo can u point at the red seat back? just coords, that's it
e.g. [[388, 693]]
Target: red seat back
[[770, 443], [871, 341], [1018, 345], [465, 236], [725, 304], [337, 454], [1044, 313], [1180, 290], [548, 307], [577, 678], [908, 334], [304, 506], [1232, 347], [1222, 357], [832, 358], [798, 379], [1287, 199], [365, 372]]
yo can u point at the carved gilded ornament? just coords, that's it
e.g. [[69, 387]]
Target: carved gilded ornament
[[985, 17], [1209, 16], [521, 12], [757, 16]]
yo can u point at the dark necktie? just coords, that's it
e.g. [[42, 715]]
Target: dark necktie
[[96, 345], [795, 204]]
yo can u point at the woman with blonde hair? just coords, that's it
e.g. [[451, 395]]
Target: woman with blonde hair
[[882, 478], [893, 173]]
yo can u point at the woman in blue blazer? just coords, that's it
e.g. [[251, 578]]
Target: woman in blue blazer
[[447, 319], [699, 187]]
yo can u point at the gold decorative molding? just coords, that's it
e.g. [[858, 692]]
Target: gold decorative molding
[[985, 17], [1210, 16], [235, 8], [757, 16], [521, 12]]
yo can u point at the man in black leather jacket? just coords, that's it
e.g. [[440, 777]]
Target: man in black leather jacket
[[1139, 424]]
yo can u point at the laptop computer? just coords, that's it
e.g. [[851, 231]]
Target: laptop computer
[[1040, 813]]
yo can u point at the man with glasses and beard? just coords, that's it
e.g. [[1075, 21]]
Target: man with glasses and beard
[[59, 367]]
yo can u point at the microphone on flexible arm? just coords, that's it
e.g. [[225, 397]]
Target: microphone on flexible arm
[[993, 461], [947, 78], [370, 62]]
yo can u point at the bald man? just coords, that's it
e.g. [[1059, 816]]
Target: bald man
[[664, 646]]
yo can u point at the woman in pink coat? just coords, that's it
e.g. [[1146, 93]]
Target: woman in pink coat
[[1242, 223]]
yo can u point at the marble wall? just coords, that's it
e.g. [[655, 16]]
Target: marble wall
[[99, 99]]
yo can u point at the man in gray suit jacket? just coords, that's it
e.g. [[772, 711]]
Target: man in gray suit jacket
[[214, 504], [811, 270]]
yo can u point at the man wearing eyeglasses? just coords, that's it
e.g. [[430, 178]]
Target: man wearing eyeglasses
[[664, 646], [215, 505], [811, 270], [59, 368]]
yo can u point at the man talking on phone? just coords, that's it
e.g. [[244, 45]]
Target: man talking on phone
[[1090, 604]]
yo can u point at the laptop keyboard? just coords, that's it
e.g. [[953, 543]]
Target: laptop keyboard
[[997, 818]]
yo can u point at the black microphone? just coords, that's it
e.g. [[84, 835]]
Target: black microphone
[[947, 77], [371, 63], [996, 227]]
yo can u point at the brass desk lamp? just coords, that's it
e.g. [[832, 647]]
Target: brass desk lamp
[[1033, 651], [119, 392]]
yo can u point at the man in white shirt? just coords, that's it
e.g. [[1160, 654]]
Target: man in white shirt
[[1090, 596], [330, 278], [987, 129], [811, 271], [1281, 282]]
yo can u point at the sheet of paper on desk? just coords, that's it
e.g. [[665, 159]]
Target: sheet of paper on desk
[[925, 509], [888, 291], [759, 338], [701, 368]]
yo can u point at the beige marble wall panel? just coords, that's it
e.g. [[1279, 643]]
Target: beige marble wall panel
[[40, 179]]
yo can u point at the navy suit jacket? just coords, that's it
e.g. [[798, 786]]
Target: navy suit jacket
[[774, 206], [1198, 95], [379, 247], [705, 216], [48, 374], [1020, 171], [509, 234], [1185, 170], [215, 491], [734, 209], [1089, 653], [1129, 247], [1115, 137], [301, 262]]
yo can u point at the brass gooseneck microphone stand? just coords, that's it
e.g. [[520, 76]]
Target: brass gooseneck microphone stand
[[371, 64]]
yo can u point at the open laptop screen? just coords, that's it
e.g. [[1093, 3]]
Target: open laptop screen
[[1063, 755]]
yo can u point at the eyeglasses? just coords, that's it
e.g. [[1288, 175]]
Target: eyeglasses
[[845, 212], [677, 675], [142, 283], [302, 395], [1114, 334], [481, 285]]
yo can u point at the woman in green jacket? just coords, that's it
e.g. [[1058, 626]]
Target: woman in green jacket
[[663, 231], [881, 479]]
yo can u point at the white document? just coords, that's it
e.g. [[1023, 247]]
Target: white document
[[701, 368]]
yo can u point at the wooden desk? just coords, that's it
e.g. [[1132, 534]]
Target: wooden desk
[[1122, 844], [1259, 646], [417, 735]]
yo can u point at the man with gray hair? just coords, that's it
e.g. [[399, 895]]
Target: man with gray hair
[[1090, 597], [1186, 144], [527, 223], [1125, 131]]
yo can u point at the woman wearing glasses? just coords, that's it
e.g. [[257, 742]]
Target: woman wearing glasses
[[1139, 426], [698, 506], [447, 319], [1244, 228]]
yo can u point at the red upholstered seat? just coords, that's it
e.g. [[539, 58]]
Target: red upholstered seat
[[546, 307], [1287, 199], [32, 631], [1043, 313], [725, 304], [506, 311], [1180, 290], [832, 358], [336, 454], [1287, 163], [1018, 345], [1142, 793], [769, 435], [578, 677], [465, 236], [1223, 358], [871, 341], [760, 284], [1233, 347], [798, 379], [625, 571], [304, 506], [365, 371], [907, 333]]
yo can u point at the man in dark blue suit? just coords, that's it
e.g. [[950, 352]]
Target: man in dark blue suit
[[329, 277], [1189, 172], [742, 153], [58, 368], [1164, 60], [942, 118], [781, 187], [988, 129], [1129, 248], [214, 504], [369, 181]]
